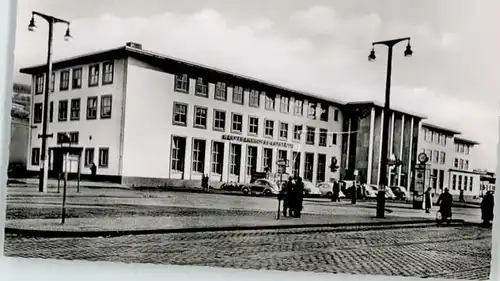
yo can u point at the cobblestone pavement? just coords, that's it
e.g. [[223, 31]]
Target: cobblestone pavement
[[446, 252]]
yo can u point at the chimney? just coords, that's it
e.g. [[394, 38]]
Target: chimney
[[134, 45]]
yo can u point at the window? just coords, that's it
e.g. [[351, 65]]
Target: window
[[324, 113], [254, 98], [91, 108], [298, 107], [180, 114], [436, 137], [64, 81], [460, 182], [198, 156], [74, 137], [442, 158], [457, 149], [201, 88], [466, 149], [323, 133], [466, 166], [251, 159], [237, 123], [200, 117], [94, 75], [217, 157], [219, 120], [429, 135], [234, 159], [181, 83], [63, 110], [106, 102], [238, 95], [269, 128], [77, 78], [103, 157], [454, 182], [456, 163], [51, 112], [268, 160], [336, 115], [471, 183], [35, 156], [221, 91], [283, 130], [63, 138], [89, 156], [311, 110], [297, 132], [253, 125], [75, 109], [52, 82], [320, 173], [107, 72], [443, 140], [37, 112], [465, 183], [270, 101], [178, 153], [334, 139], [308, 172], [295, 163], [311, 134], [39, 84], [435, 157], [461, 148], [461, 164], [282, 155], [284, 104]]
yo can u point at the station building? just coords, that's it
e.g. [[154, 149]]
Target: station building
[[148, 119]]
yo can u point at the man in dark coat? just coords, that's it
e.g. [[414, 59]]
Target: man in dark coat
[[461, 196], [444, 201], [93, 170], [428, 200], [487, 208], [287, 198], [298, 197], [204, 182], [336, 191]]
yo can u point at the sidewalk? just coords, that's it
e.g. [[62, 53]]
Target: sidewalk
[[52, 183]]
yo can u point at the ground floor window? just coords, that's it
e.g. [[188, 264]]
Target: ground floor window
[[441, 179], [295, 163], [320, 174], [198, 156], [471, 183], [308, 172], [35, 156], [465, 183], [178, 153], [251, 159], [454, 182], [217, 157], [460, 182], [103, 157], [89, 156], [282, 156], [268, 160], [235, 159]]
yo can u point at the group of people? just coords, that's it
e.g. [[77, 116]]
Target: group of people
[[293, 196], [445, 202]]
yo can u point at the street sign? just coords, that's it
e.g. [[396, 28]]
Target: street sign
[[282, 162]]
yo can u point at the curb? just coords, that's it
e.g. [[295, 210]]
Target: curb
[[115, 233]]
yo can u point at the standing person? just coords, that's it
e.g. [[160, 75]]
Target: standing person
[[336, 191], [487, 208], [428, 200], [287, 198], [93, 170], [445, 201], [204, 182], [461, 196], [298, 197]]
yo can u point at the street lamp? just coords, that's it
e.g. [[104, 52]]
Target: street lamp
[[32, 27], [385, 135]]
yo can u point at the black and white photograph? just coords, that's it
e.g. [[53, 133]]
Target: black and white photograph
[[322, 136]]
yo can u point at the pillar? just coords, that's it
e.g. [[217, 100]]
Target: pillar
[[401, 148], [370, 147], [380, 145]]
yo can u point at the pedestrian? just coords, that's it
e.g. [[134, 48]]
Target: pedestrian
[[204, 182], [298, 197], [487, 205], [461, 196], [445, 201], [428, 200], [93, 170], [287, 198], [336, 192]]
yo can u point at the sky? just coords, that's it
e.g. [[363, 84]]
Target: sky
[[319, 46]]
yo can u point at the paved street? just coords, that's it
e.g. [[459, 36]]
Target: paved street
[[446, 252]]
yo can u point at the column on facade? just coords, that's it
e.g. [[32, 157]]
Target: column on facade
[[225, 161], [348, 152], [409, 181], [289, 156], [208, 158], [370, 147], [380, 145], [400, 168], [391, 148], [315, 168], [260, 156], [243, 161], [187, 158]]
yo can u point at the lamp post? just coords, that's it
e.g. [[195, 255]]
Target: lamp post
[[48, 75], [385, 135]]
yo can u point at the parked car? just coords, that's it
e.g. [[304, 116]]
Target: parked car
[[310, 189], [371, 191], [326, 189], [261, 186], [400, 192], [231, 186], [389, 194]]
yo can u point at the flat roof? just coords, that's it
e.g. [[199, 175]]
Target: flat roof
[[441, 128], [465, 172], [381, 105], [464, 140]]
